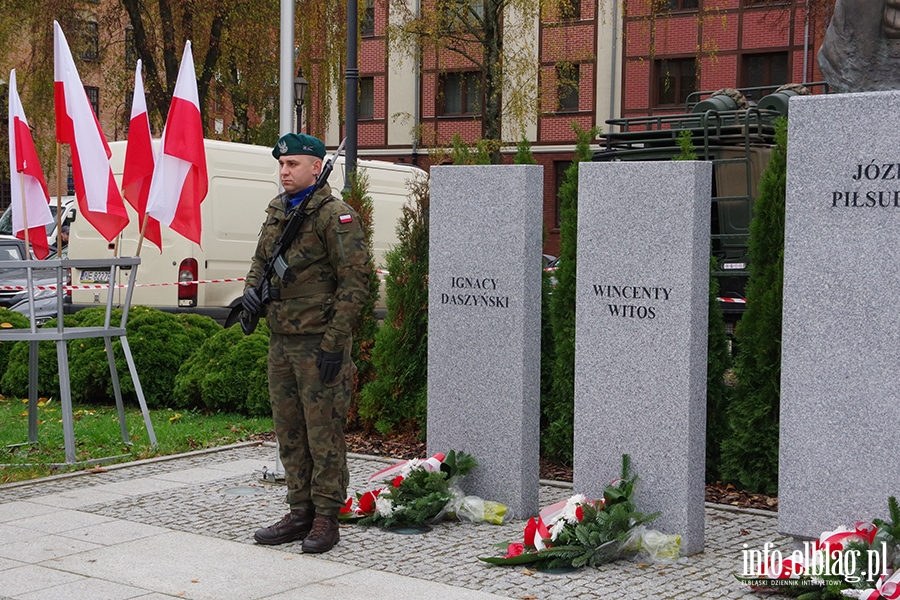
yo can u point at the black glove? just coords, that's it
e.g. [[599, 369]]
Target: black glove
[[329, 364], [251, 301]]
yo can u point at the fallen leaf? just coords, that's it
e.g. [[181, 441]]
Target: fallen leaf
[[528, 597], [97, 470], [744, 532], [527, 572], [195, 580], [180, 594]]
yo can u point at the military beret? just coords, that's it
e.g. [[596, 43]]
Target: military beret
[[299, 143]]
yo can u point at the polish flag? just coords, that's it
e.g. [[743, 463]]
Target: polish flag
[[99, 200], [139, 161], [26, 177], [180, 181]]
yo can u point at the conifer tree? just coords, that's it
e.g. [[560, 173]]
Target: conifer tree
[[524, 155], [557, 409], [396, 401], [750, 452], [366, 326], [718, 354]]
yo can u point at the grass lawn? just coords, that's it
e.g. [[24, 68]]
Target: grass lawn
[[98, 435]]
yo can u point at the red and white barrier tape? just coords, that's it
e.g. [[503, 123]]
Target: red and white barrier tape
[[733, 300], [119, 286]]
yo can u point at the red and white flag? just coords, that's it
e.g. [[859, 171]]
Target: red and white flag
[[139, 161], [29, 197], [99, 200], [180, 181]]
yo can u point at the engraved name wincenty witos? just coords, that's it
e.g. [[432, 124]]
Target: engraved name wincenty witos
[[475, 292], [620, 297]]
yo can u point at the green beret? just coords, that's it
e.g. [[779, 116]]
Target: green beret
[[299, 143]]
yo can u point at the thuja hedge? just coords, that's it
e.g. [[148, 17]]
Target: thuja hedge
[[160, 343], [227, 373]]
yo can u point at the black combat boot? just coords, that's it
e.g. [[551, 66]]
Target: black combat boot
[[324, 535], [293, 526]]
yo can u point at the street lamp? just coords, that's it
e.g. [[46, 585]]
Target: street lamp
[[300, 85]]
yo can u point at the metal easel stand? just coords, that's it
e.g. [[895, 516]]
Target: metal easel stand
[[63, 334], [276, 476]]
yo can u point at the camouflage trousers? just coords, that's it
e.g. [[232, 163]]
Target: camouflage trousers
[[309, 420]]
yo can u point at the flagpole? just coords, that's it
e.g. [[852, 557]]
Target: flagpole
[[141, 237], [25, 219], [58, 193]]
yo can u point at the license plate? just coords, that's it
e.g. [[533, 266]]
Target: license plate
[[95, 277]]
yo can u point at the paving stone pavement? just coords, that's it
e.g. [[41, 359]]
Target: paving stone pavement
[[219, 494]]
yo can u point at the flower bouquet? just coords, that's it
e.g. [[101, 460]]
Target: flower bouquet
[[580, 532], [419, 492], [861, 562]]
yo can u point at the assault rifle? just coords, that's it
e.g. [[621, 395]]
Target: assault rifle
[[276, 262]]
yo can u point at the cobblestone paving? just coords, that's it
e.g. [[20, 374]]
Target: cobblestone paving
[[448, 553]]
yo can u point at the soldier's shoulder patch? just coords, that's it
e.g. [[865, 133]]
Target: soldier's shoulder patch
[[346, 218]]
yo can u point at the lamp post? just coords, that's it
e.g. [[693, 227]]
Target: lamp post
[[300, 85]]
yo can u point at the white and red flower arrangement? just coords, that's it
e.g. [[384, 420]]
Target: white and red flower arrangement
[[582, 532], [860, 562], [417, 493]]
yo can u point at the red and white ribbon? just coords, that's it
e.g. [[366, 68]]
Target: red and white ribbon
[[118, 286]]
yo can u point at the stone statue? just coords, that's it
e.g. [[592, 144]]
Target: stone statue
[[861, 49]]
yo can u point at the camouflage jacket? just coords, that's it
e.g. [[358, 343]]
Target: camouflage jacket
[[327, 282]]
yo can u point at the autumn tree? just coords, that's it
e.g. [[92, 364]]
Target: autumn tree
[[490, 35]]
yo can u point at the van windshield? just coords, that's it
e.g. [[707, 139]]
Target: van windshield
[[6, 227]]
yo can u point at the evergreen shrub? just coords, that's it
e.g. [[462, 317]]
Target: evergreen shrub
[[558, 407], [750, 450], [366, 325], [397, 399], [10, 319]]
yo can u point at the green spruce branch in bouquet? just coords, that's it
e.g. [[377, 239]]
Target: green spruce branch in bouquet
[[581, 532], [859, 562]]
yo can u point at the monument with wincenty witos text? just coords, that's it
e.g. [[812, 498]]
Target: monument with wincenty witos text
[[840, 389], [641, 311], [484, 320]]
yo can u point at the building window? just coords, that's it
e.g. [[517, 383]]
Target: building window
[[367, 19], [567, 79], [88, 39], [130, 50], [675, 80], [461, 93], [93, 94], [673, 5], [760, 70], [570, 9], [462, 15], [366, 97]]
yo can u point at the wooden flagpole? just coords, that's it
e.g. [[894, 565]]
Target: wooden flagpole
[[141, 237]]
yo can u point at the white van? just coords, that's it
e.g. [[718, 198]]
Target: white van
[[242, 181]]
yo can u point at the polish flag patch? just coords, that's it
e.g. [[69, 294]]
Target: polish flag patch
[[346, 218]]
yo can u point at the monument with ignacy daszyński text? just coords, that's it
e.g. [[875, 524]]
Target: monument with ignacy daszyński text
[[484, 318]]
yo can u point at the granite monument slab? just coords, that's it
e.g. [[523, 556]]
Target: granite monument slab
[[484, 326], [840, 393], [641, 336]]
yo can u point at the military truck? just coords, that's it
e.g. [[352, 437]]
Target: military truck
[[738, 137]]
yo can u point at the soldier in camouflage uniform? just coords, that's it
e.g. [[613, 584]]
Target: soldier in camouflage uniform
[[310, 315]]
